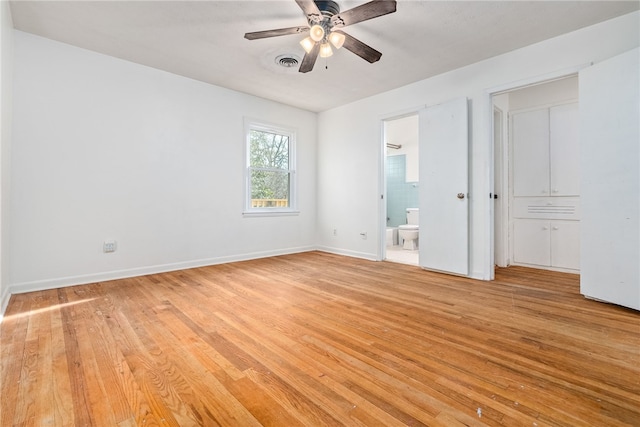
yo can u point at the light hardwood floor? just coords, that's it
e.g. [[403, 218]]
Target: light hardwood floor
[[318, 339]]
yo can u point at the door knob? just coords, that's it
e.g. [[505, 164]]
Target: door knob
[[460, 195]]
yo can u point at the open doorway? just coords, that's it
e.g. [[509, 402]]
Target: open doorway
[[402, 182], [439, 207], [536, 176]]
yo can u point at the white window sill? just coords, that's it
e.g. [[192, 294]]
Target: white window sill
[[269, 212]]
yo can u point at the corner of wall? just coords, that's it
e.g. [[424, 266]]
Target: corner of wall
[[5, 295], [6, 92]]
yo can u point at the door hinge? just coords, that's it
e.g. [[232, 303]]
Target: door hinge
[[493, 196]]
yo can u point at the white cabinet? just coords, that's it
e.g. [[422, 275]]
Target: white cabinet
[[545, 152], [545, 207], [565, 244], [531, 242], [564, 154], [531, 153], [547, 243]]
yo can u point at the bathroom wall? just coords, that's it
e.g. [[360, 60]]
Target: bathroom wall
[[402, 167], [403, 134], [400, 193]]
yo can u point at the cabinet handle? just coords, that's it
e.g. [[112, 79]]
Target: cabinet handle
[[555, 190], [545, 228], [556, 228]]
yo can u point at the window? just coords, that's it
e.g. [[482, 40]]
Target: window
[[270, 171]]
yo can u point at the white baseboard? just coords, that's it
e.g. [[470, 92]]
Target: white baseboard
[[353, 254], [40, 285]]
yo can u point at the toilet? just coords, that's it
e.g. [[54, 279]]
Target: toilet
[[408, 233]]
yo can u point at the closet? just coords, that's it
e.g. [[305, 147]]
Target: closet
[[545, 208]]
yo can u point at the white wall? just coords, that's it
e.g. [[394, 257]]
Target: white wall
[[349, 153], [6, 83], [404, 131], [539, 96], [108, 149]]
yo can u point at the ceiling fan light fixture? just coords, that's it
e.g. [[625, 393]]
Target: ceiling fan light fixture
[[316, 33], [323, 16], [325, 50], [307, 44], [336, 39]]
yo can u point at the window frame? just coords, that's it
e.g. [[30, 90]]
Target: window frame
[[260, 126]]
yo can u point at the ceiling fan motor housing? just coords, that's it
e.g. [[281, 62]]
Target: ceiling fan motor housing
[[328, 8]]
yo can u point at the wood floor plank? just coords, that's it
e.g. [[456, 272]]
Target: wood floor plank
[[60, 382], [36, 363], [12, 342], [319, 339]]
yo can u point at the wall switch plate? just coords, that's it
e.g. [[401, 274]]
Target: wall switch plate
[[109, 246]]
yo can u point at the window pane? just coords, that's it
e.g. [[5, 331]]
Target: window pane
[[269, 189], [269, 150]]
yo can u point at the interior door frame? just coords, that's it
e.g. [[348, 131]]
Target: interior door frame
[[489, 258], [500, 157], [382, 176]]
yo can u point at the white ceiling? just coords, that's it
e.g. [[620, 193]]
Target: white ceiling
[[204, 40]]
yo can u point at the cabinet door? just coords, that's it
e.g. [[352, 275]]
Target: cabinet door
[[565, 244], [564, 159], [530, 134], [531, 242]]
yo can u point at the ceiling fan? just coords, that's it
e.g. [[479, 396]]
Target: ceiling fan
[[325, 20]]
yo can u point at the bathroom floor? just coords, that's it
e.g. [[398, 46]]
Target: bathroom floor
[[397, 254]]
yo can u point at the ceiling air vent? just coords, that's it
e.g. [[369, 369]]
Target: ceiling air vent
[[288, 60]]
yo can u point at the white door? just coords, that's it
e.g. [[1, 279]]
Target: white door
[[444, 207], [610, 184]]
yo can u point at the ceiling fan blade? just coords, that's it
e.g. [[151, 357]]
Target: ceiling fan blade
[[366, 11], [364, 51], [309, 59], [276, 33], [310, 10]]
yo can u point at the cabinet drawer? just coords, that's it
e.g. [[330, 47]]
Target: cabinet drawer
[[547, 207]]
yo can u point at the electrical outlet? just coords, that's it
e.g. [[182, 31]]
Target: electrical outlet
[[363, 234], [109, 246], [335, 231]]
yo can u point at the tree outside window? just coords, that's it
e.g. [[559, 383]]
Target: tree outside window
[[270, 171]]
